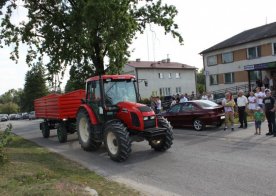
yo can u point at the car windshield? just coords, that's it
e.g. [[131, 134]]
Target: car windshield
[[117, 91], [206, 103]]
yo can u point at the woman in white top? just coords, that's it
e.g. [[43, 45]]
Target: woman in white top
[[252, 100]]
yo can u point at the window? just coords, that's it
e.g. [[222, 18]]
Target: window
[[178, 90], [175, 108], [188, 107], [274, 48], [213, 79], [160, 75], [165, 91], [227, 57], [177, 75], [170, 75], [228, 78], [211, 60], [255, 75], [254, 52]]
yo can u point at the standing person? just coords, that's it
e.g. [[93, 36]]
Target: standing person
[[158, 105], [183, 99], [153, 103], [259, 118], [271, 83], [228, 104], [210, 96], [177, 98], [173, 101], [242, 102], [269, 105], [192, 97], [252, 100], [260, 94], [204, 96], [266, 82]]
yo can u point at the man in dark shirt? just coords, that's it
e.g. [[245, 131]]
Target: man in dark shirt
[[269, 103]]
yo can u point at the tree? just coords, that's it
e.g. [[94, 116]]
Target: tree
[[12, 96], [35, 86], [78, 76], [83, 32], [9, 108], [200, 84]]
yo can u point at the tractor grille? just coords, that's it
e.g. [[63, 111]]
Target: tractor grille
[[135, 120], [149, 123]]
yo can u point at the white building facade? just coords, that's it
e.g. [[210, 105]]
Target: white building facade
[[162, 78]]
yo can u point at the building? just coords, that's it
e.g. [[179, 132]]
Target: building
[[162, 78], [243, 59]]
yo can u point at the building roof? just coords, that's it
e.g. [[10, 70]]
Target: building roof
[[164, 64], [255, 34]]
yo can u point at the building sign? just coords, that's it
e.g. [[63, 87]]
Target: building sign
[[260, 66], [249, 67]]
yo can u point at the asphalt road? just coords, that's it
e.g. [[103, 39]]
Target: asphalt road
[[211, 162]]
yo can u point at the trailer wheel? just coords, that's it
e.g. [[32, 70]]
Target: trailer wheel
[[85, 129], [62, 133], [117, 141], [45, 130], [165, 142]]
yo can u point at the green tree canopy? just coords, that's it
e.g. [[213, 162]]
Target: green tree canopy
[[200, 83], [35, 87], [12, 96], [96, 33], [9, 108]]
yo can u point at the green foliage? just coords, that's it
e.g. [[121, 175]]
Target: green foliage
[[200, 83], [9, 108], [35, 87], [82, 32], [145, 101], [5, 138], [78, 76]]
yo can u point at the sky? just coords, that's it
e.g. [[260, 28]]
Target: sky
[[202, 24]]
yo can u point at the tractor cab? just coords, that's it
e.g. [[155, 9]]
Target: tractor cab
[[105, 92]]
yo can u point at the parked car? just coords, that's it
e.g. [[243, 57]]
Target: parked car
[[25, 115], [197, 113], [12, 116], [4, 117], [18, 116], [32, 115]]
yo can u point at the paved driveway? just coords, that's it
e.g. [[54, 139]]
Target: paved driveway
[[211, 162]]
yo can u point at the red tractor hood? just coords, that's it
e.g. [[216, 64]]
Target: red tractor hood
[[131, 107]]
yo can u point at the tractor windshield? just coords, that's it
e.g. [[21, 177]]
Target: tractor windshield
[[119, 90]]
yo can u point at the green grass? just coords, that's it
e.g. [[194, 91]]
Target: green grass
[[33, 170]]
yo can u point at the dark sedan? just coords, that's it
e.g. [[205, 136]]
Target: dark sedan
[[197, 113]]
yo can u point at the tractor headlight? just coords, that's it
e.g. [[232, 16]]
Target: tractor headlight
[[152, 117], [146, 118]]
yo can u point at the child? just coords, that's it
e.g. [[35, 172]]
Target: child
[[259, 118]]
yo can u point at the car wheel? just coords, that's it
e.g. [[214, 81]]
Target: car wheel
[[198, 125]]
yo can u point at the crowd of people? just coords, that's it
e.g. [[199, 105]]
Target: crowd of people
[[259, 105]]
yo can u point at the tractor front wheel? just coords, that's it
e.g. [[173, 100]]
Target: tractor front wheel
[[85, 129], [62, 133], [163, 143], [117, 141]]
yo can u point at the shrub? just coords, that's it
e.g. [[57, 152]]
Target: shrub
[[5, 138]]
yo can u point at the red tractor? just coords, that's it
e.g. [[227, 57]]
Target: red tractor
[[110, 113]]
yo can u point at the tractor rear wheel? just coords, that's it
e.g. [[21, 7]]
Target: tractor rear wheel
[[117, 141], [45, 130], [85, 129], [165, 142], [62, 133]]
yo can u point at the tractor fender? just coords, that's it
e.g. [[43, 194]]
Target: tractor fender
[[92, 116]]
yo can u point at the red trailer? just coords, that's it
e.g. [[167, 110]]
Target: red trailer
[[59, 111]]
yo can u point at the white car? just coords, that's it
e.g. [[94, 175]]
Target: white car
[[32, 115]]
